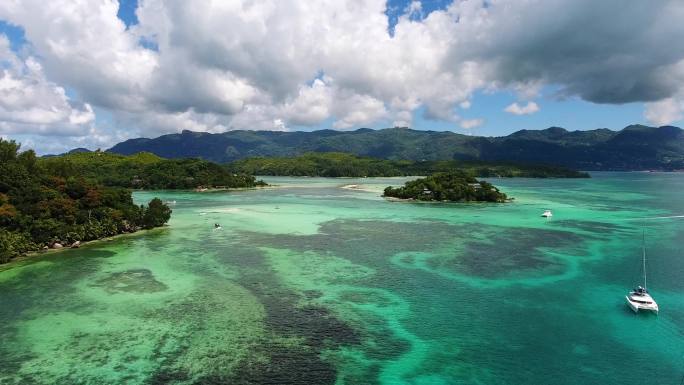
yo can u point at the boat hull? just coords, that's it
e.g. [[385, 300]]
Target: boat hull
[[636, 307]]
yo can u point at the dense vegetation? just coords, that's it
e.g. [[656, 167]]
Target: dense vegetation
[[447, 186], [145, 171], [633, 148], [335, 164], [331, 164], [45, 205]]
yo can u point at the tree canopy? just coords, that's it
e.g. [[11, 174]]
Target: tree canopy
[[146, 171], [337, 164], [42, 204], [450, 187]]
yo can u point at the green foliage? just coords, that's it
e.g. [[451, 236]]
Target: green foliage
[[454, 186], [329, 164], [57, 201], [145, 171], [13, 244], [335, 164], [157, 214]]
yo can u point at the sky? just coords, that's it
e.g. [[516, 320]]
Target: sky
[[91, 73]]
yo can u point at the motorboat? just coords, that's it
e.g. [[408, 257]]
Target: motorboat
[[547, 214]]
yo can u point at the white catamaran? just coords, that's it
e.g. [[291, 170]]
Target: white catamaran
[[639, 298]]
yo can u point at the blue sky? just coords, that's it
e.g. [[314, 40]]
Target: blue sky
[[477, 68]]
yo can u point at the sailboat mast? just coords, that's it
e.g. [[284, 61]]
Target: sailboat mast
[[643, 250]]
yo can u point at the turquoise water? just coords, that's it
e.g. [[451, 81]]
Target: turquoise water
[[312, 283]]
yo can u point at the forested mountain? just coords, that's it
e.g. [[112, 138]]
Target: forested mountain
[[632, 148], [336, 164]]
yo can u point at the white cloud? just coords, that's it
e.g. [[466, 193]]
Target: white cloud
[[471, 123], [276, 64], [312, 104], [30, 104], [354, 110], [86, 47], [517, 109], [665, 111]]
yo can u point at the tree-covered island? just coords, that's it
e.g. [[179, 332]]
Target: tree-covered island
[[61, 201], [147, 171], [456, 186]]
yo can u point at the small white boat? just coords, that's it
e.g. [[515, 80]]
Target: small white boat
[[547, 214], [639, 298]]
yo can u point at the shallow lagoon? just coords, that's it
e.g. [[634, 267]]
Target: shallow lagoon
[[310, 283]]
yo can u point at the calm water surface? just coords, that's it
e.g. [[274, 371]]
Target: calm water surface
[[310, 283]]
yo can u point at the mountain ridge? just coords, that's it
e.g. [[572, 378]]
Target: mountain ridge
[[635, 147]]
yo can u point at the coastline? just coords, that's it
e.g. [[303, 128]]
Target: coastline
[[411, 200], [33, 254], [217, 189]]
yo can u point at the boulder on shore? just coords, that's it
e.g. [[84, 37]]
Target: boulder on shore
[[76, 245], [57, 245]]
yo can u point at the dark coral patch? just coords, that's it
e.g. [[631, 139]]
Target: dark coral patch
[[588, 226], [131, 281], [486, 251], [512, 250]]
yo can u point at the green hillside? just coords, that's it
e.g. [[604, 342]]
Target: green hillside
[[632, 148], [335, 164], [146, 171]]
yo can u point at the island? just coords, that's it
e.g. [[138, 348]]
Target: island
[[147, 171], [61, 201], [454, 186], [41, 209], [338, 164]]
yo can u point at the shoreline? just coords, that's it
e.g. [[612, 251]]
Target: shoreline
[[207, 190], [214, 189], [33, 254], [411, 200], [358, 187]]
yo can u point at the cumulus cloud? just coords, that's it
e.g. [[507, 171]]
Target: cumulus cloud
[[311, 105], [354, 110], [517, 109], [665, 111], [29, 103], [471, 123], [569, 43], [271, 64]]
